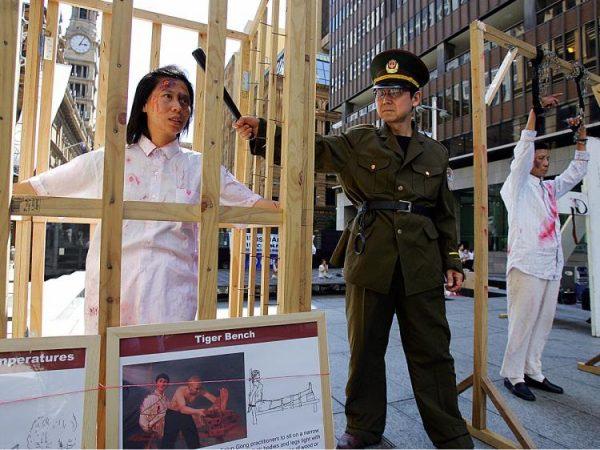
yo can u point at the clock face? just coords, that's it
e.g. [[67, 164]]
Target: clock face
[[80, 43]]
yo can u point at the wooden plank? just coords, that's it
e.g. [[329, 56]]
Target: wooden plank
[[481, 223], [208, 237], [104, 49], [10, 32], [256, 182], [155, 46], [489, 437], [259, 17], [62, 207], [527, 50], [588, 368], [38, 245], [150, 16], [112, 186], [464, 384], [199, 100], [29, 114], [509, 417], [292, 174], [237, 256], [502, 72], [596, 91], [271, 116], [308, 157]]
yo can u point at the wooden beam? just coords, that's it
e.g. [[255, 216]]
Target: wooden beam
[[509, 417], [238, 236], [269, 179], [199, 100], [464, 384], [590, 366], [29, 115], [481, 223], [502, 72], [208, 237], [489, 437], [38, 245], [308, 156], [150, 16], [104, 49], [10, 34], [292, 174], [112, 187], [527, 50], [258, 17], [62, 207], [155, 46]]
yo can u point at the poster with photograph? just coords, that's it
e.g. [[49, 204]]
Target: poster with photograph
[[232, 383], [45, 397]]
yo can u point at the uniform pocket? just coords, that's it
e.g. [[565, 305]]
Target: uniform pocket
[[374, 175], [426, 179]]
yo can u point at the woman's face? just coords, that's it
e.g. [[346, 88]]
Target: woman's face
[[168, 110]]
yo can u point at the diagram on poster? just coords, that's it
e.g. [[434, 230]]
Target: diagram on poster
[[42, 399], [230, 388]]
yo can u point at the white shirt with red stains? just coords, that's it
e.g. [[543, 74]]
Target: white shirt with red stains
[[159, 267], [534, 239]]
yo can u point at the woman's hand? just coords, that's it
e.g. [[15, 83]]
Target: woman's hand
[[246, 127]]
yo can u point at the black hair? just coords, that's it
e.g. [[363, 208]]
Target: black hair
[[541, 146], [138, 120], [164, 376]]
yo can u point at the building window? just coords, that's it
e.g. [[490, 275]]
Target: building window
[[431, 14], [466, 97], [77, 70], [77, 89], [83, 13], [456, 100]]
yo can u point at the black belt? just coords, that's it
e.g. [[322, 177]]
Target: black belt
[[384, 205]]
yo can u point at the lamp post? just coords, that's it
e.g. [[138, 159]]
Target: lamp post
[[443, 114]]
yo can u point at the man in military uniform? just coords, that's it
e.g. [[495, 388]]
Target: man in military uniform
[[397, 251]]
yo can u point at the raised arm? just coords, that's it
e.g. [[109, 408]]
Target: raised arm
[[577, 169]]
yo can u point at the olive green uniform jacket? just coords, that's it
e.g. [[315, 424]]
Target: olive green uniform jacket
[[371, 165]]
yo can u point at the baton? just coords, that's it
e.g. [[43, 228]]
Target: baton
[[200, 58]]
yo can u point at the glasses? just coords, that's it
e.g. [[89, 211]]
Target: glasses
[[390, 92]]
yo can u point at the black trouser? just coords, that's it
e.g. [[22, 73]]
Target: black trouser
[[425, 338], [176, 422]]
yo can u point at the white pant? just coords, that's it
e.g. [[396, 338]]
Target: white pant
[[531, 309]]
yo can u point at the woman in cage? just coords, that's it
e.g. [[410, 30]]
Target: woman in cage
[[159, 259]]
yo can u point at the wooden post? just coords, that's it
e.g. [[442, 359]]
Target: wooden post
[[238, 236], [208, 240], [29, 114], [271, 116], [481, 223], [38, 245], [155, 46], [308, 194], [292, 175], [199, 100], [10, 33], [104, 49], [112, 189]]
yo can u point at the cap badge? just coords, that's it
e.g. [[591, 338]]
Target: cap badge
[[391, 66]]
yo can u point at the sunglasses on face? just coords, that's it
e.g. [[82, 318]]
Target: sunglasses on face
[[390, 92]]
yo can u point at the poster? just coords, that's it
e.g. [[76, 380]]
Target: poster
[[43, 396], [258, 385]]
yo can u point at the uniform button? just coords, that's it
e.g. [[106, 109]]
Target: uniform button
[[372, 166], [427, 172], [400, 188], [399, 231]]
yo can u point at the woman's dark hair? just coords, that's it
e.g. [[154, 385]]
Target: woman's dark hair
[[164, 376], [138, 121]]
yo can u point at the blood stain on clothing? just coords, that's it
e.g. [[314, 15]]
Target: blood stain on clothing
[[132, 178], [549, 225]]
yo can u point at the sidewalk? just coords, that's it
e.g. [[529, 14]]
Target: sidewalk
[[570, 420]]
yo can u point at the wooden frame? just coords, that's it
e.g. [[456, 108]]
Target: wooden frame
[[479, 380], [91, 344], [31, 213], [187, 330], [591, 365]]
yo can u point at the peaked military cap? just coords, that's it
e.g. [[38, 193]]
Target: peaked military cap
[[397, 67]]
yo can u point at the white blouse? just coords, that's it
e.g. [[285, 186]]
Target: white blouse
[[159, 267], [534, 239]]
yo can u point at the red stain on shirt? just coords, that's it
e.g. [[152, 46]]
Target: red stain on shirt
[[132, 178], [549, 225]]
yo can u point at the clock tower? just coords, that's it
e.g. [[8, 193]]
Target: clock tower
[[81, 52]]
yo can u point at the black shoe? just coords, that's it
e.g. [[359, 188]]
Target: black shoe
[[348, 440], [520, 390], [543, 385]]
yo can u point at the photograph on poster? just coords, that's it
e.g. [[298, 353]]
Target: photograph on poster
[[184, 403], [253, 383], [42, 398]]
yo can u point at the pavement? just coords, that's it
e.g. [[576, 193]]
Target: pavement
[[570, 420]]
